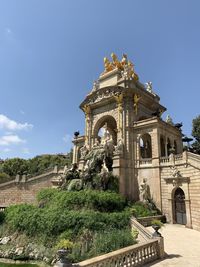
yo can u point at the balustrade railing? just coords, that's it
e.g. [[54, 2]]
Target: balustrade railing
[[164, 160], [135, 255], [178, 157], [146, 161]]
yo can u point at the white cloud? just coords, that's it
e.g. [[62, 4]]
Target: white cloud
[[7, 140], [67, 138], [8, 124]]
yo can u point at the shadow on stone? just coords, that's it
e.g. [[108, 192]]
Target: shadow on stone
[[167, 256]]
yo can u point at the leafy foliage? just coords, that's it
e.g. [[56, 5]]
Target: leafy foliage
[[72, 211], [87, 199], [14, 166], [196, 134], [64, 244], [140, 209], [4, 177]]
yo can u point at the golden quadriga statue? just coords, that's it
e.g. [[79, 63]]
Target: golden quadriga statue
[[125, 66]]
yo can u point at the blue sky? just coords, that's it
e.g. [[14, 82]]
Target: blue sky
[[52, 51]]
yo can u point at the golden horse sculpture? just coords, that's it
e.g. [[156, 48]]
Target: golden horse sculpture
[[123, 65]]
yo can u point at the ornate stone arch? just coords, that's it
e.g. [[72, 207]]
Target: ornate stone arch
[[111, 126], [145, 146]]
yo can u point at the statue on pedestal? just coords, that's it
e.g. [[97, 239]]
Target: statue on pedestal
[[144, 191]]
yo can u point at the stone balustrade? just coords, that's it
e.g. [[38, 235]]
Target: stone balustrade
[[135, 255], [145, 161], [164, 160], [178, 157]]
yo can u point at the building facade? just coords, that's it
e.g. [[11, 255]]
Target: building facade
[[146, 148]]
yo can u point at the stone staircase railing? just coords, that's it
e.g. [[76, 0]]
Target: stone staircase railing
[[26, 178], [148, 250], [135, 255], [143, 233]]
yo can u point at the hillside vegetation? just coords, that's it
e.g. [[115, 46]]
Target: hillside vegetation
[[9, 168], [92, 222]]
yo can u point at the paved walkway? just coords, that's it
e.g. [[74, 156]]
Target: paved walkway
[[182, 246]]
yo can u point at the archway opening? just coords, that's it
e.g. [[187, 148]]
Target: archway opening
[[179, 207], [162, 147], [106, 127], [145, 146], [168, 146], [175, 148]]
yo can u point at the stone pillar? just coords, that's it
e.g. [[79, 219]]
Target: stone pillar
[[75, 153], [170, 217], [188, 213], [156, 191], [166, 153]]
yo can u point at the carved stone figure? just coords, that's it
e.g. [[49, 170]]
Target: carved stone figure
[[95, 86], [144, 191], [124, 60], [83, 151], [119, 147], [149, 87], [169, 120], [175, 172], [107, 65], [135, 103], [116, 63]]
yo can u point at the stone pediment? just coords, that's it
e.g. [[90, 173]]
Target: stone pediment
[[101, 95]]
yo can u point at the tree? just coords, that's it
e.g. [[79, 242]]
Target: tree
[[196, 134], [15, 166]]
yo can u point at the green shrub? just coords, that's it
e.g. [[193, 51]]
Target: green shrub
[[111, 240], [64, 244], [5, 177], [139, 209], [54, 221], [157, 223], [86, 199]]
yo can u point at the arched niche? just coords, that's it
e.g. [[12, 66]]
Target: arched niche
[[175, 147], [179, 208], [162, 146], [145, 146], [106, 123], [168, 146]]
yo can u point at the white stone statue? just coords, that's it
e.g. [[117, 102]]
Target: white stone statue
[[169, 120], [95, 86], [144, 191], [106, 135], [149, 87]]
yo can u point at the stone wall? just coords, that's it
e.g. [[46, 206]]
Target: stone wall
[[24, 192], [189, 182]]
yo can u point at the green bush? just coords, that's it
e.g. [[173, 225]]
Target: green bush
[[139, 209], [86, 199], [100, 217], [114, 239], [101, 242], [54, 221], [5, 177]]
